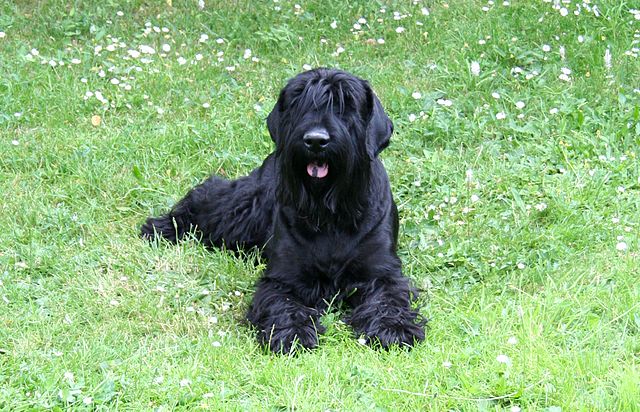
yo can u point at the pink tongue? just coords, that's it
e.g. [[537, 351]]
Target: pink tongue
[[316, 170]]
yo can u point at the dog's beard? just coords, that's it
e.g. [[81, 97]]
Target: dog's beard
[[324, 189]]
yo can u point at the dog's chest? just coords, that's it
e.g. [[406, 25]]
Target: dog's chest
[[329, 255]]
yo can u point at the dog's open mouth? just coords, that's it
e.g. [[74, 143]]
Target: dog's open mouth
[[318, 170]]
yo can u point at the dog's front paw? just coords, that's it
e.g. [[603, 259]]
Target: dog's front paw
[[388, 326], [391, 332], [288, 339]]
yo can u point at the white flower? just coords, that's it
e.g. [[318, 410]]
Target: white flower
[[203, 38], [334, 24], [362, 341], [621, 246], [444, 102], [185, 382], [182, 60], [503, 359], [201, 4], [146, 49], [412, 117], [546, 48], [134, 53], [580, 38], [2, 34], [475, 198], [495, 95], [520, 104], [219, 40], [540, 206], [424, 11], [206, 106], [357, 26], [75, 61], [306, 67], [475, 68], [362, 20], [166, 48], [216, 344], [607, 59], [340, 50], [199, 57], [564, 11], [380, 41], [416, 95], [520, 265], [247, 54], [447, 364], [399, 29], [501, 115], [35, 52], [554, 110], [512, 340]]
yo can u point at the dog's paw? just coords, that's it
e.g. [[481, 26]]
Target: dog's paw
[[288, 340], [392, 333], [387, 326], [159, 227]]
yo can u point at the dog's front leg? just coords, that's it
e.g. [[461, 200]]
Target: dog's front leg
[[382, 312], [282, 319]]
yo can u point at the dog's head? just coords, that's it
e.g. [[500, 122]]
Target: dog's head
[[328, 126], [323, 111]]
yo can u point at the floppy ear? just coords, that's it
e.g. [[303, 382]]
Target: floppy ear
[[273, 120], [379, 126]]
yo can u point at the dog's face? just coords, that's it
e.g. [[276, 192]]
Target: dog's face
[[325, 124]]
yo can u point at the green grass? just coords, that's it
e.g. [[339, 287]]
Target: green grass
[[514, 228]]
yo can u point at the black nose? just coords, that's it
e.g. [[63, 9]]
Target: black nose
[[316, 139]]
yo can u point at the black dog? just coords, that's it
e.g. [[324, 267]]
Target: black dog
[[321, 208]]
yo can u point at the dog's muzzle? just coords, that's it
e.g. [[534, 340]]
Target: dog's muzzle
[[315, 141]]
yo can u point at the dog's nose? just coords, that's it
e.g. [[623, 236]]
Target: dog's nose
[[316, 139]]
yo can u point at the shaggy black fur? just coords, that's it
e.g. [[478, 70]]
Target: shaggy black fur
[[321, 209]]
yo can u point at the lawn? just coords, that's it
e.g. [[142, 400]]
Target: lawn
[[514, 164]]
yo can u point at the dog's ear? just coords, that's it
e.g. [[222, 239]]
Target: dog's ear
[[379, 126], [273, 120]]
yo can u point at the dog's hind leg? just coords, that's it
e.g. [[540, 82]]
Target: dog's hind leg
[[231, 213]]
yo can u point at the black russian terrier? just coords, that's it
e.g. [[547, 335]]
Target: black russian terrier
[[321, 210]]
